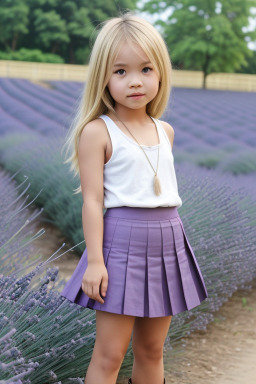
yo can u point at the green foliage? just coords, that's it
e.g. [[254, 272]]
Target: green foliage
[[13, 22], [63, 27], [50, 29], [34, 55], [206, 35], [250, 66], [244, 163], [210, 161], [82, 54]]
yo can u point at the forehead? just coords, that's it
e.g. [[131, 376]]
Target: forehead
[[130, 53]]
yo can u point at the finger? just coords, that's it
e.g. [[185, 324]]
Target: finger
[[99, 299], [97, 295], [84, 288], [104, 285], [89, 291]]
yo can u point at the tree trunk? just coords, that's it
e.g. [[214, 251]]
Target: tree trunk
[[204, 80], [55, 47], [15, 41], [205, 69], [71, 53]]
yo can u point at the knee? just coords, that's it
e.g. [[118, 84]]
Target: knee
[[149, 351], [109, 360]]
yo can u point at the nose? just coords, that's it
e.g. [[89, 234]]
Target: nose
[[135, 82]]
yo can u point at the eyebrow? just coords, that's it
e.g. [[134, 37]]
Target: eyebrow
[[125, 65]]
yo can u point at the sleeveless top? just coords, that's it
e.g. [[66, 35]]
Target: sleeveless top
[[128, 176]]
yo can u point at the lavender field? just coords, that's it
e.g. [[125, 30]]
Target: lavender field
[[214, 151], [213, 129]]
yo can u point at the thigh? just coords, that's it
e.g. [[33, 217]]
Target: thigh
[[113, 332], [149, 334]]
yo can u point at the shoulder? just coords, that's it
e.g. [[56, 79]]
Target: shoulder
[[93, 129], [94, 132], [169, 130]]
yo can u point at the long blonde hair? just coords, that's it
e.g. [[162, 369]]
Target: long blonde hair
[[96, 99]]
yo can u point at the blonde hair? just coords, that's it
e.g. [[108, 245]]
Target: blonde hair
[[96, 99]]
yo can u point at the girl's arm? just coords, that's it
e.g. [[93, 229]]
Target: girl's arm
[[91, 165]]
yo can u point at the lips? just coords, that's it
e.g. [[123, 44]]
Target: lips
[[136, 94]]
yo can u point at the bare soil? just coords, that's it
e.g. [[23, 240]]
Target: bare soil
[[42, 83], [224, 353]]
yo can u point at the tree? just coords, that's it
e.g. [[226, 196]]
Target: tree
[[13, 22], [250, 66], [82, 17], [51, 29], [206, 35], [64, 27]]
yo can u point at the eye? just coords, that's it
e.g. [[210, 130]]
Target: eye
[[150, 69], [119, 71]]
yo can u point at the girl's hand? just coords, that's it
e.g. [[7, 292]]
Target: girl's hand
[[95, 281]]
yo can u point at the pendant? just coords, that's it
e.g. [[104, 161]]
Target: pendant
[[157, 185]]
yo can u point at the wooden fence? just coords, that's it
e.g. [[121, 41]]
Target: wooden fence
[[69, 72]]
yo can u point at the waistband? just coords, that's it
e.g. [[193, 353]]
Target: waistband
[[137, 213]]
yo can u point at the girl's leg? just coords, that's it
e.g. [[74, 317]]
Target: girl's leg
[[149, 335], [113, 335]]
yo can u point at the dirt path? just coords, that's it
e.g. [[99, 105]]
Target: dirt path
[[49, 243], [224, 353]]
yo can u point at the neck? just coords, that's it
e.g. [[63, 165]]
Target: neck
[[131, 116]]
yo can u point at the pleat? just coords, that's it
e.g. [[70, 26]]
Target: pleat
[[116, 265], [155, 296], [71, 290], [135, 282], [202, 290], [185, 267], [177, 302], [72, 287], [190, 281]]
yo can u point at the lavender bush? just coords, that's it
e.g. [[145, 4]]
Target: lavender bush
[[28, 116], [40, 160], [63, 102]]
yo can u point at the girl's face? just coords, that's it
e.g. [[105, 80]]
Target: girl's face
[[133, 73]]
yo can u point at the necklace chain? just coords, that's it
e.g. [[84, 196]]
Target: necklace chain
[[157, 186]]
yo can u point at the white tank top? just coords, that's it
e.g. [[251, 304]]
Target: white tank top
[[128, 176]]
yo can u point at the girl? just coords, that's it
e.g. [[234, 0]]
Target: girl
[[138, 268]]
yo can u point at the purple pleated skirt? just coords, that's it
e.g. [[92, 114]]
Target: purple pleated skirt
[[152, 269]]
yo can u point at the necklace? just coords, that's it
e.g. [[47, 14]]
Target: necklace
[[156, 183]]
